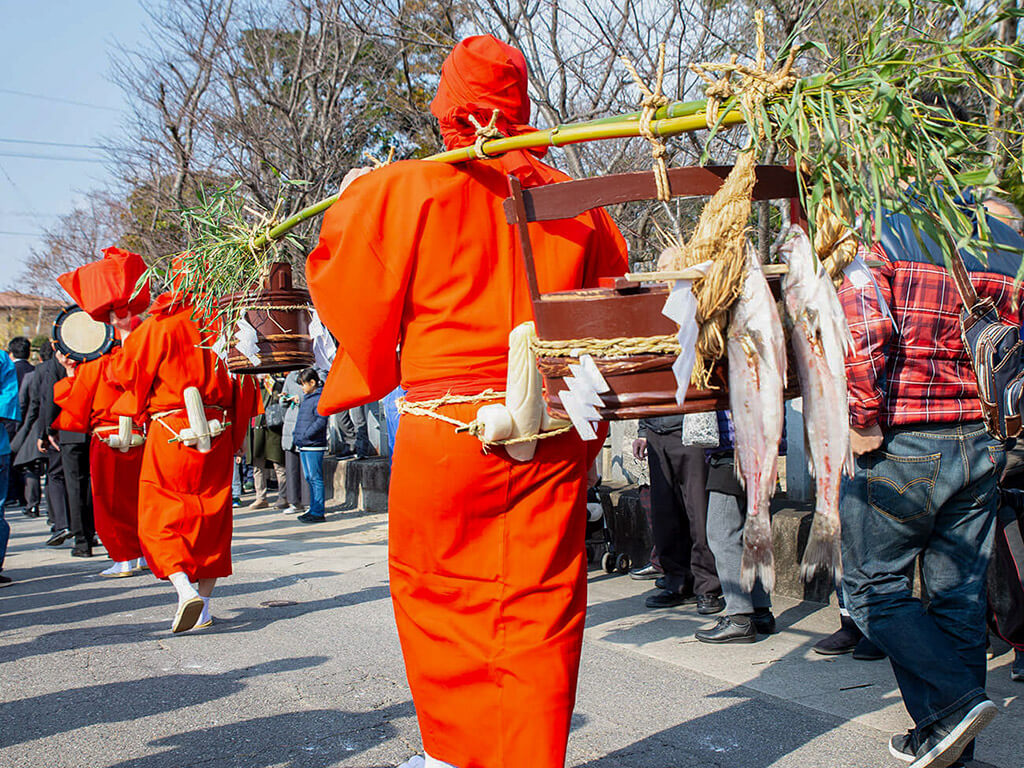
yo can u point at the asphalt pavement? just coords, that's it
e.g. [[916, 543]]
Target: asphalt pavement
[[302, 669]]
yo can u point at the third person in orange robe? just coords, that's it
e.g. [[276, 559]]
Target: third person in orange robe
[[106, 290]]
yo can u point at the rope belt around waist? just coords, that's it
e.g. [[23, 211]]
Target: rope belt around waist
[[178, 436], [108, 434], [428, 408], [112, 428]]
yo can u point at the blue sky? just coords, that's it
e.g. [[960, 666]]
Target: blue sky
[[59, 49]]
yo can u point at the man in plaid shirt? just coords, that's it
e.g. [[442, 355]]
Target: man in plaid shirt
[[925, 480]]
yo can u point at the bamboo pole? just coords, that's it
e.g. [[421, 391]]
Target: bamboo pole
[[620, 127], [672, 119]]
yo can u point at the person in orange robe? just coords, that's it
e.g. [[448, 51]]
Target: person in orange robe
[[487, 563], [185, 516], [106, 290]]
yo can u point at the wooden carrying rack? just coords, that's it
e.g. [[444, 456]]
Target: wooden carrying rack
[[642, 385]]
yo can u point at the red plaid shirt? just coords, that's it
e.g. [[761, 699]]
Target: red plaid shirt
[[911, 367]]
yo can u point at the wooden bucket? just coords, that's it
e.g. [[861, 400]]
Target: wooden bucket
[[642, 385], [279, 313]]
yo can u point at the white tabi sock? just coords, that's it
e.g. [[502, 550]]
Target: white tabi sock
[[141, 564], [205, 615], [185, 589], [416, 761], [433, 762], [122, 567]]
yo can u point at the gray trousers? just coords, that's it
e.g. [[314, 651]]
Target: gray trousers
[[261, 470], [726, 516]]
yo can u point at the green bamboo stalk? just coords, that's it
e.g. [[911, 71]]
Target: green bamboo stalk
[[668, 121], [620, 127]]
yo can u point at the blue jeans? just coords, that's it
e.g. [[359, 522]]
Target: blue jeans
[[313, 471], [5, 527], [930, 493]]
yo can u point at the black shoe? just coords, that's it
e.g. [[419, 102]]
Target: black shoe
[[667, 599], [81, 551], [58, 537], [649, 571], [32, 511], [1017, 668], [709, 604], [308, 518], [903, 746], [764, 623], [5, 580], [661, 583], [729, 629], [843, 640], [868, 651]]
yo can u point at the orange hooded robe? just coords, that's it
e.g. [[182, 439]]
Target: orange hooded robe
[[185, 516], [487, 564], [86, 400]]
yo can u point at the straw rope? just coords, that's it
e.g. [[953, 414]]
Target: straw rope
[[834, 243], [720, 234], [277, 307], [428, 409], [272, 337], [377, 162], [652, 101], [624, 346], [485, 133]]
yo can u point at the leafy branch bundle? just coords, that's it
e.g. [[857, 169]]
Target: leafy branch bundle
[[885, 129], [222, 258]]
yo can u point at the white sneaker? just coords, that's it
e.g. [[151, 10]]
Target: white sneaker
[[293, 510], [119, 570]]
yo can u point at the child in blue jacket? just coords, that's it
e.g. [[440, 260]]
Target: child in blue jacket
[[310, 438]]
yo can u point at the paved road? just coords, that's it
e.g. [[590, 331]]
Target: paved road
[[302, 670]]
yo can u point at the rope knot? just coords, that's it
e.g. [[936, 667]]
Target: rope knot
[[650, 103], [485, 133]]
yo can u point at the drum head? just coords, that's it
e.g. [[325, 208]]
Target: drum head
[[80, 337]]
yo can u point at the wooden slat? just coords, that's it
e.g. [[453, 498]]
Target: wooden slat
[[569, 199], [692, 274]]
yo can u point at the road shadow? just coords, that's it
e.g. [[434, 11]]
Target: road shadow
[[309, 739], [38, 717]]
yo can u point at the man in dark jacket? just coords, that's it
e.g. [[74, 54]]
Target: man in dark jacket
[[679, 509], [310, 438], [32, 445], [74, 455]]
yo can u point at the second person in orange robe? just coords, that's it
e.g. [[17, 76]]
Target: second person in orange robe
[[185, 518]]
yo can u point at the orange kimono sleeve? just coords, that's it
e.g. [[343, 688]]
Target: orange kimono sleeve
[[357, 276], [135, 369], [74, 395]]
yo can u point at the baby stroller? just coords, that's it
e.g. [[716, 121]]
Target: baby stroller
[[617, 536]]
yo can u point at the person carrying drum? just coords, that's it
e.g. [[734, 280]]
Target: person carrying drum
[[198, 415], [105, 290]]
